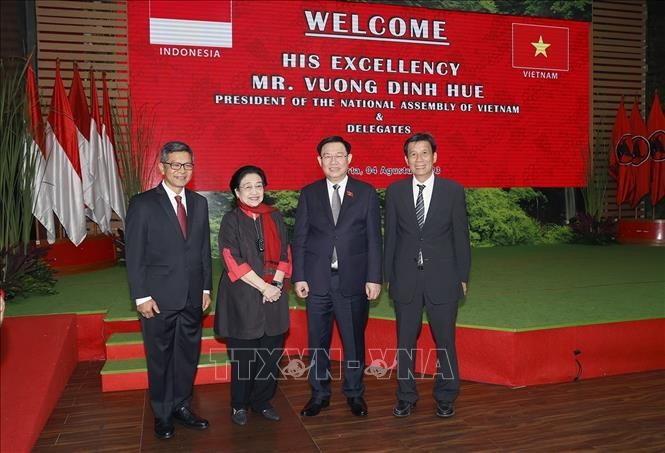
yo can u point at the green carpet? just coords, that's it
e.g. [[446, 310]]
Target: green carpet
[[138, 365], [511, 288]]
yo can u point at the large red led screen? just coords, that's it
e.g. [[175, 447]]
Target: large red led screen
[[261, 82]]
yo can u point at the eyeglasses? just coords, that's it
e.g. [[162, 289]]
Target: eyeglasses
[[249, 187], [177, 166], [331, 157]]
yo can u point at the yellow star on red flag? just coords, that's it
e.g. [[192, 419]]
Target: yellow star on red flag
[[541, 47]]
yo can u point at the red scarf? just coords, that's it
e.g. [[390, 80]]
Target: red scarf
[[272, 242]]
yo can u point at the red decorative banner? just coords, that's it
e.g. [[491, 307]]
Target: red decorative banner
[[261, 82]]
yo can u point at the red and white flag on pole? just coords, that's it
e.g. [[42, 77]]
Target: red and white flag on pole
[[656, 128], [108, 145], [42, 205], [97, 162], [641, 163], [63, 168], [203, 23], [81, 116]]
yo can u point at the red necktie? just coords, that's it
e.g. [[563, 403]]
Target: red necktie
[[182, 215]]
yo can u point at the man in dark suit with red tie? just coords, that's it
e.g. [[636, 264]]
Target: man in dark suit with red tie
[[426, 263], [169, 269], [337, 267]]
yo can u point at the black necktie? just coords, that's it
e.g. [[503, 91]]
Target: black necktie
[[420, 206]]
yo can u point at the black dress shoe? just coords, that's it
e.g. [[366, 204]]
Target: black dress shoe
[[313, 407], [358, 406], [269, 413], [164, 430], [239, 416], [403, 408], [185, 416], [444, 409]]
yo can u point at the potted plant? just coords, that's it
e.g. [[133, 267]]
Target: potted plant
[[22, 266]]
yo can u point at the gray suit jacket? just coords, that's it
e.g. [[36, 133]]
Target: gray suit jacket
[[444, 241]]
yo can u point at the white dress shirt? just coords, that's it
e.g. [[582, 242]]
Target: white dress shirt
[[427, 192], [342, 189]]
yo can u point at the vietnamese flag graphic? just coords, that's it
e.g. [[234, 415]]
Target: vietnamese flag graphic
[[656, 128], [540, 47], [641, 163], [205, 23]]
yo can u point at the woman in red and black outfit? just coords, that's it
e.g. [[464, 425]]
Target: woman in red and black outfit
[[252, 304]]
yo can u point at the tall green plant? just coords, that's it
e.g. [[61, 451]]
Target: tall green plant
[[17, 167], [595, 190], [22, 267], [134, 139]]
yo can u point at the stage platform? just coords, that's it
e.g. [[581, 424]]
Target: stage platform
[[534, 315]]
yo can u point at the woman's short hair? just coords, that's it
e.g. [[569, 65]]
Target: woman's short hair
[[244, 171]]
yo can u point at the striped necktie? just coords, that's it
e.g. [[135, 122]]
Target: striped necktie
[[420, 206]]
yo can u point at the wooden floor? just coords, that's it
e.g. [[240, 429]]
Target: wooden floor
[[620, 413]]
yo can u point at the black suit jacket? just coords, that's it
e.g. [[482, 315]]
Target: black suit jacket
[[444, 241], [357, 237], [160, 262]]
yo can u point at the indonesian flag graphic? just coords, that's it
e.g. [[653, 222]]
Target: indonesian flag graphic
[[205, 23], [98, 163], [540, 47], [63, 168], [42, 204], [116, 194], [81, 116]]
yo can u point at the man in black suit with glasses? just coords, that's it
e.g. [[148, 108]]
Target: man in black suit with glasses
[[169, 271]]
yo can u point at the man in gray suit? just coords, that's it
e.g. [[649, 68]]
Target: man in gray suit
[[426, 263]]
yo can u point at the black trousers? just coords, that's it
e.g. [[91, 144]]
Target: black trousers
[[254, 370], [442, 318], [172, 341], [351, 315]]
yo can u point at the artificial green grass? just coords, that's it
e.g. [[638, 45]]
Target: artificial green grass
[[139, 365], [511, 288], [125, 338]]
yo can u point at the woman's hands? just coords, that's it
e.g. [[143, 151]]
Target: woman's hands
[[271, 293]]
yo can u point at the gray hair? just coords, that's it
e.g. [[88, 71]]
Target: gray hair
[[174, 147]]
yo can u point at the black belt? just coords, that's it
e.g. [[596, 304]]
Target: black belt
[[334, 271]]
